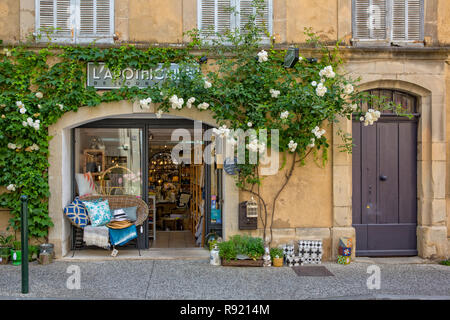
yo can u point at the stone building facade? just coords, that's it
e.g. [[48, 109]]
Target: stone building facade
[[317, 203]]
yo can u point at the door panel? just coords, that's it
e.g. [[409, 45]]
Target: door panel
[[387, 173], [384, 177], [356, 172], [369, 179], [407, 164]]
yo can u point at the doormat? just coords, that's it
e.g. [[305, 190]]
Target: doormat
[[312, 271]]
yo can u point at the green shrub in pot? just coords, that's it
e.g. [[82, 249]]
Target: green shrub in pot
[[5, 245], [276, 253], [33, 252], [227, 250], [247, 246]]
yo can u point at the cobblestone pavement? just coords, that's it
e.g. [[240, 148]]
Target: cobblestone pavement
[[197, 279]]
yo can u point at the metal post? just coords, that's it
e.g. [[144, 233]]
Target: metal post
[[24, 238]]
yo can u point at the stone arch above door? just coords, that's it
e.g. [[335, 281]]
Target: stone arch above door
[[431, 168]]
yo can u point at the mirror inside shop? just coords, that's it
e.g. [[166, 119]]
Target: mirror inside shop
[[110, 162]]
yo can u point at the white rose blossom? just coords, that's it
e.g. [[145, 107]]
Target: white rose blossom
[[203, 106], [39, 95], [249, 124], [314, 83], [321, 90], [34, 147], [12, 146], [284, 115], [256, 146], [190, 102], [317, 132], [222, 132], [312, 144], [370, 117], [11, 187], [177, 103], [159, 114], [20, 104], [327, 72], [262, 56], [22, 110], [207, 84], [145, 103], [348, 88], [61, 107], [292, 146], [274, 93]]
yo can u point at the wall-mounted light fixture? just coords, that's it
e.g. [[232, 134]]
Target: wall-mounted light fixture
[[291, 57]]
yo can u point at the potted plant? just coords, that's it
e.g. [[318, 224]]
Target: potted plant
[[16, 253], [5, 248], [33, 252], [277, 255], [242, 251]]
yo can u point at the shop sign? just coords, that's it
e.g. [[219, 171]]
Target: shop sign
[[100, 77]]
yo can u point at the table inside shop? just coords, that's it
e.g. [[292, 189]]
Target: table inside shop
[[164, 209]]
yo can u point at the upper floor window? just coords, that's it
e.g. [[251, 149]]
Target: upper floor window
[[219, 16], [75, 21], [388, 21]]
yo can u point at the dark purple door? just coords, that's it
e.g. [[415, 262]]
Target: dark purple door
[[384, 187]]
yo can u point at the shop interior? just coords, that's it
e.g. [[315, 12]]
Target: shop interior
[[175, 190]]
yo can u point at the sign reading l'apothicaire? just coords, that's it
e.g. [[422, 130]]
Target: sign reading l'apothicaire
[[100, 77]]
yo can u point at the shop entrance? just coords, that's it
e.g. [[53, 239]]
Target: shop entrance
[[142, 158]]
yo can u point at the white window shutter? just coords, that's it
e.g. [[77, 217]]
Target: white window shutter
[[87, 18], [407, 20], [54, 16], [95, 18], [262, 19], [369, 19], [223, 16], [207, 17], [215, 16], [104, 16]]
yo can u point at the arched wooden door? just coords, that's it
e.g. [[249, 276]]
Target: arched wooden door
[[385, 181]]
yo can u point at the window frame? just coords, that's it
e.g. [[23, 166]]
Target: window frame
[[75, 18], [388, 41], [235, 20]]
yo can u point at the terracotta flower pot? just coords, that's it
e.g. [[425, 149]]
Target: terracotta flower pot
[[277, 262]]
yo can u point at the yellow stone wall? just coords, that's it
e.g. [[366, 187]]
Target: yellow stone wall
[[155, 21], [313, 203]]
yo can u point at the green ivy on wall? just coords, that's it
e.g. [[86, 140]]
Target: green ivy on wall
[[250, 90], [37, 88]]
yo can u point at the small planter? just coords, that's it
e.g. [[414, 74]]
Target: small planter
[[243, 263], [16, 257], [4, 259], [4, 251], [277, 262]]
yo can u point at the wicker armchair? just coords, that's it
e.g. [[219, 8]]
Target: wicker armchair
[[123, 201]]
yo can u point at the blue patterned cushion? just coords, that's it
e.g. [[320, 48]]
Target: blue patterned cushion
[[77, 213], [99, 212]]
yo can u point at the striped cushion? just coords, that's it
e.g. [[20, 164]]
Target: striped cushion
[[119, 215]]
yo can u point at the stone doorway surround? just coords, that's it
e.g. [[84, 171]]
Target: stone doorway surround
[[60, 173], [431, 163]]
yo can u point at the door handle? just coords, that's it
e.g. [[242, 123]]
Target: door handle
[[383, 178]]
